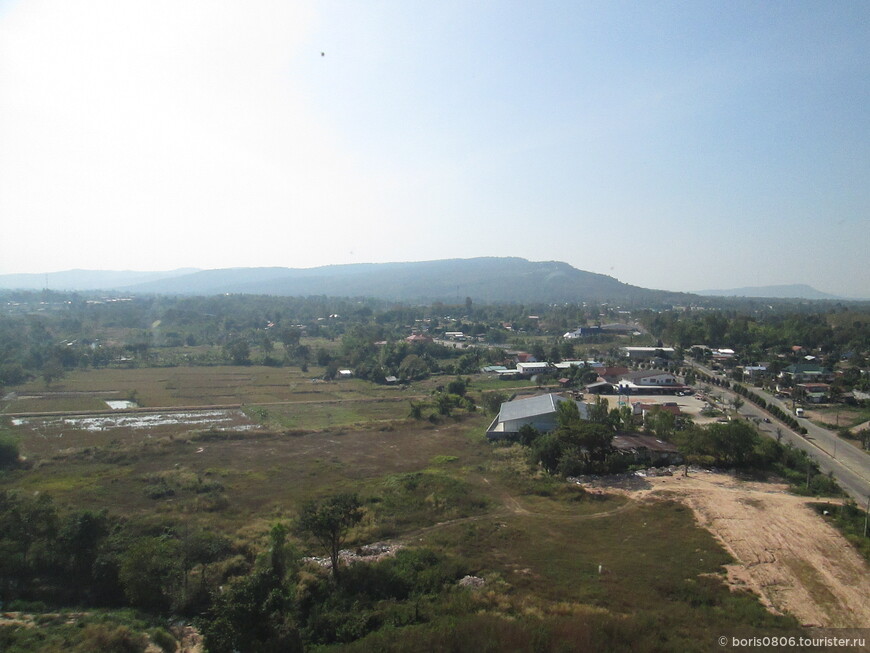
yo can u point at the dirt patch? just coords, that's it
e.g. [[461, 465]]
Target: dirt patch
[[784, 551]]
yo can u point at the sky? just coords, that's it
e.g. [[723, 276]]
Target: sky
[[672, 145]]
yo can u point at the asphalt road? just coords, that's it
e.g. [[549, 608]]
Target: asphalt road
[[849, 465]]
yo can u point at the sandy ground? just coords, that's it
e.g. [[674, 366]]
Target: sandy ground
[[784, 551]]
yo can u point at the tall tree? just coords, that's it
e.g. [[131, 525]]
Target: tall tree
[[329, 521]]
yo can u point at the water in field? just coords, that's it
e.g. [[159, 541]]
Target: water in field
[[121, 404], [204, 418]]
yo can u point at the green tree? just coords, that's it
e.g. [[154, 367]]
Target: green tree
[[457, 386], [150, 571], [732, 443], [9, 453], [599, 411], [27, 524], [694, 444], [238, 351], [661, 423], [329, 521], [492, 401], [412, 368], [528, 434], [289, 337]]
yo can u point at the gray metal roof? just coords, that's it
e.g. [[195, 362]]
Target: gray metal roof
[[534, 406]]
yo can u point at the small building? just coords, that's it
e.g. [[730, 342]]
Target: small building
[[815, 393], [647, 450], [753, 372], [807, 372], [345, 374], [581, 332], [648, 382], [529, 369], [645, 353], [611, 374], [564, 365], [619, 329], [538, 411]]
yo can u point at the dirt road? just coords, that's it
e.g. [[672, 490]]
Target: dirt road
[[784, 551]]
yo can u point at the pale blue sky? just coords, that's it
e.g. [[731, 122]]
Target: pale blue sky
[[672, 145]]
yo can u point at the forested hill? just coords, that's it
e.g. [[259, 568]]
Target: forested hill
[[451, 280]]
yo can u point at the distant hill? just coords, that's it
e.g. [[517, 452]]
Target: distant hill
[[490, 279], [449, 280], [84, 279], [793, 291]]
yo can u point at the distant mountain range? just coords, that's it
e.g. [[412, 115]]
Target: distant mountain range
[[490, 279], [82, 280], [793, 291]]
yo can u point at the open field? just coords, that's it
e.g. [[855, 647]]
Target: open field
[[88, 390], [189, 386], [692, 554], [782, 550]]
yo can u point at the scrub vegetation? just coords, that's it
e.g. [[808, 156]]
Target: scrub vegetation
[[307, 511]]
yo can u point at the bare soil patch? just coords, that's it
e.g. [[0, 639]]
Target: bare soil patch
[[784, 551]]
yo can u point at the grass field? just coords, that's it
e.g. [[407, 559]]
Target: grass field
[[546, 549]]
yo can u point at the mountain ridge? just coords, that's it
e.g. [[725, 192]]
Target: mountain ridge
[[781, 291], [484, 279]]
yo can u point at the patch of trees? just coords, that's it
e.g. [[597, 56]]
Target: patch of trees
[[241, 599], [575, 446], [759, 331], [580, 446]]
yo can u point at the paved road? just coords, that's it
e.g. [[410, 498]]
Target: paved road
[[849, 465]]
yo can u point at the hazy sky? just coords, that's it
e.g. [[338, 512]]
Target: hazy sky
[[682, 146]]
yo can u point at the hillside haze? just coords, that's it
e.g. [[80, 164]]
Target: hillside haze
[[788, 291], [492, 279]]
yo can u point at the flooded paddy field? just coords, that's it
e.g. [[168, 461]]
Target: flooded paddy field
[[46, 436]]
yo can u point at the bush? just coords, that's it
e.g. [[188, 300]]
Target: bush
[[9, 453], [102, 638]]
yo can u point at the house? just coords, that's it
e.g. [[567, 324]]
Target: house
[[538, 411], [611, 374], [420, 338], [646, 449], [580, 332], [815, 393], [645, 353], [754, 372], [804, 372], [531, 368], [648, 382], [619, 329], [565, 365], [345, 374]]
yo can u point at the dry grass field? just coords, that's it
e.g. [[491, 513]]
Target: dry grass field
[[546, 548]]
